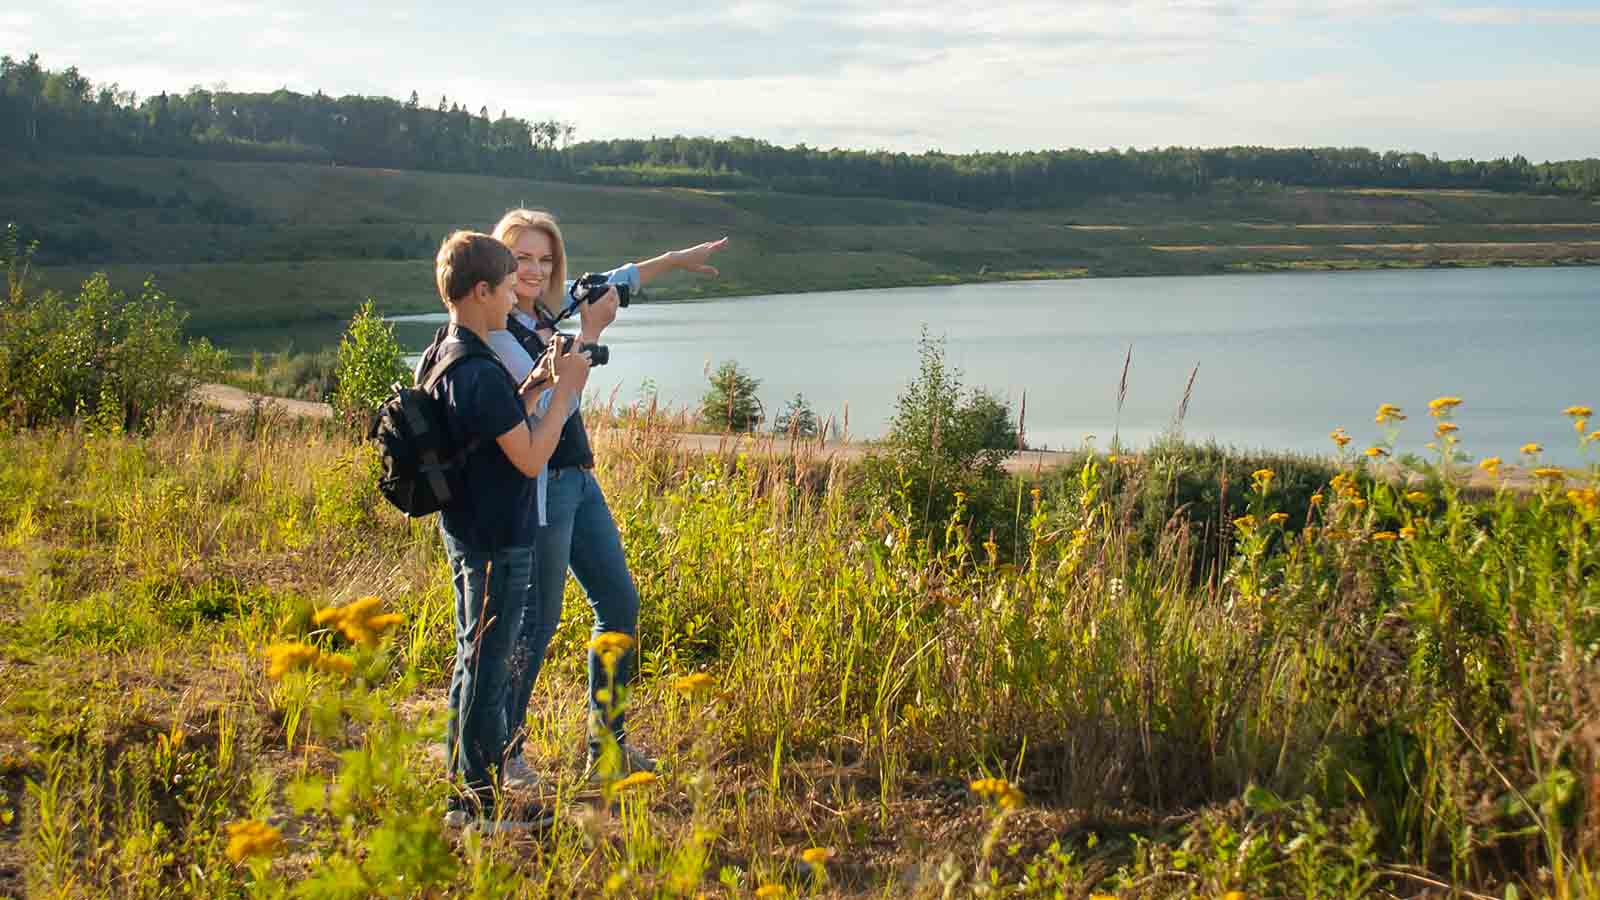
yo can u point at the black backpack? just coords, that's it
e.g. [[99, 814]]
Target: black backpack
[[422, 468]]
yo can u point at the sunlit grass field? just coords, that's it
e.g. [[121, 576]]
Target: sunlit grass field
[[1378, 688]]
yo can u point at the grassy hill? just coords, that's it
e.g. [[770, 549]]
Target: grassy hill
[[262, 254]]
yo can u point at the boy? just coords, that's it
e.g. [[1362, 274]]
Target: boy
[[487, 532]]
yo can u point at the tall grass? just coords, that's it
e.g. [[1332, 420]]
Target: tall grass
[[1386, 688]]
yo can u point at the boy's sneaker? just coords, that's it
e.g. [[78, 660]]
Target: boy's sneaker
[[487, 821], [632, 761], [519, 776]]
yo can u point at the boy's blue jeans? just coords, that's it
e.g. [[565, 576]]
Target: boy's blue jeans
[[491, 595], [580, 534]]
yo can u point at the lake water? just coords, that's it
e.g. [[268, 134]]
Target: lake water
[[1283, 358]]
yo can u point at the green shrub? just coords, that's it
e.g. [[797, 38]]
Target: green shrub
[[118, 361], [731, 404], [797, 418], [370, 364], [944, 440]]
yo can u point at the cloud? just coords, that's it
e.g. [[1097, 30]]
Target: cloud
[[1509, 15]]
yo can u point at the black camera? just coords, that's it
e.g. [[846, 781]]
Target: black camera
[[591, 287], [599, 354]]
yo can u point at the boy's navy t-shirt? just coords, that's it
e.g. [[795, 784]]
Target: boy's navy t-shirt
[[481, 404]]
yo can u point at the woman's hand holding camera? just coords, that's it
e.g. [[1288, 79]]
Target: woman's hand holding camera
[[594, 317]]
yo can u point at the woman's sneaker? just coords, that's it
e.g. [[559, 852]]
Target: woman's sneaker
[[632, 761], [519, 776]]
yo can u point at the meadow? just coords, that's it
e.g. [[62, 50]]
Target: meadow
[[1177, 673], [265, 256]]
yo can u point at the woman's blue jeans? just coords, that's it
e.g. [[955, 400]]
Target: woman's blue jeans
[[581, 535], [491, 596]]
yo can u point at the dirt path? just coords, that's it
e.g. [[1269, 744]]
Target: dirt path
[[232, 399]]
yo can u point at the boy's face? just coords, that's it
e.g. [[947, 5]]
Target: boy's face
[[502, 297]]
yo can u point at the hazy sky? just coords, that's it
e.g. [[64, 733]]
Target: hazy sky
[[1456, 79]]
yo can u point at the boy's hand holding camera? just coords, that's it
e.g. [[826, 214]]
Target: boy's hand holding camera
[[562, 363]]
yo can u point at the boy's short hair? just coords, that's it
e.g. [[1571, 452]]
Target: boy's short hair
[[468, 257]]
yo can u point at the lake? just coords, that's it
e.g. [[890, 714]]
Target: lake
[[1282, 358]]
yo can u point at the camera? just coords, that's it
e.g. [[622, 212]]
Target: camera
[[599, 354], [591, 287]]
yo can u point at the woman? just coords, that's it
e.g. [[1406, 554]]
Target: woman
[[577, 530]]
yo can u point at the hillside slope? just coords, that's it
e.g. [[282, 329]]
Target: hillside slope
[[265, 253]]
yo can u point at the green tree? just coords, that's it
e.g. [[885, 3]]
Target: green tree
[[370, 364], [731, 404], [797, 418]]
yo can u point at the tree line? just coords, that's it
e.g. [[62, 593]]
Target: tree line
[[64, 112]]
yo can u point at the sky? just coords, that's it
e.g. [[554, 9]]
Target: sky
[[1457, 79]]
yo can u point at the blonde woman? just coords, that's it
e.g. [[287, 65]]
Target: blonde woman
[[578, 531]]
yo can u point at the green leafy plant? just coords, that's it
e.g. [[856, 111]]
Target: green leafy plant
[[370, 364], [731, 403]]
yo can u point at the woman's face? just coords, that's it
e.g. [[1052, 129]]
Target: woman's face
[[536, 260]]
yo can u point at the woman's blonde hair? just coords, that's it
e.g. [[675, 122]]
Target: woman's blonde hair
[[511, 226]]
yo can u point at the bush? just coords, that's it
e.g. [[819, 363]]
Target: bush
[[370, 364], [943, 441], [731, 404], [117, 360]]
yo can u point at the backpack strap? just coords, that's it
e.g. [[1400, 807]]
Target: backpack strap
[[448, 353]]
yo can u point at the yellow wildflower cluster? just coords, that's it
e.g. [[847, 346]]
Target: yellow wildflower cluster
[[771, 890], [288, 657], [1585, 498], [1278, 518], [1339, 437], [1490, 464], [252, 838], [1550, 473], [1384, 536], [1418, 498], [1344, 485], [1578, 412], [999, 790], [1531, 448], [1316, 499], [634, 780], [692, 685], [1245, 523], [1376, 452], [1388, 412], [1440, 407], [1262, 479], [1445, 429], [360, 621], [1408, 532], [816, 856]]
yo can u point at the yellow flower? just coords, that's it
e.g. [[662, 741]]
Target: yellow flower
[[1531, 448], [1358, 502], [1278, 518], [1444, 428], [1593, 436], [999, 790], [1578, 412], [1339, 437], [1587, 497], [252, 838], [1490, 464], [816, 856], [1408, 532], [771, 890], [633, 780], [1235, 895], [1112, 458], [287, 657], [1263, 475], [1580, 425], [1376, 452], [1316, 499], [1384, 536], [1550, 472], [1102, 897], [697, 683], [611, 642], [1442, 406], [360, 620], [1388, 412], [335, 664], [1245, 523], [1418, 498]]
